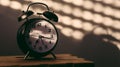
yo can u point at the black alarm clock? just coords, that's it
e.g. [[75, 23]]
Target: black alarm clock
[[37, 37]]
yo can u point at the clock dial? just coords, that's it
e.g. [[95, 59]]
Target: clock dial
[[42, 36]]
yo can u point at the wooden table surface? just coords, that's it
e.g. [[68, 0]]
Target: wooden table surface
[[62, 59]]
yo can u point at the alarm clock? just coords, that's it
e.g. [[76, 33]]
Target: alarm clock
[[37, 36]]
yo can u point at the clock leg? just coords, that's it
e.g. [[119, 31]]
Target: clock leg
[[53, 55], [27, 55]]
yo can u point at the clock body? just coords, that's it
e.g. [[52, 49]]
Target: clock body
[[38, 36]]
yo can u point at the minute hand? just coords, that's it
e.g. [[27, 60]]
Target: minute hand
[[46, 37]]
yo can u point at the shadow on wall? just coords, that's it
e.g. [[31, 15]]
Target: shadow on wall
[[103, 53]]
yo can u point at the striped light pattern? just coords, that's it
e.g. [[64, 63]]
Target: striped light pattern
[[79, 17]]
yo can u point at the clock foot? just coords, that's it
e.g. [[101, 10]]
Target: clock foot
[[53, 55], [27, 55]]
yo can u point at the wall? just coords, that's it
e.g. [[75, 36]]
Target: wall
[[87, 28]]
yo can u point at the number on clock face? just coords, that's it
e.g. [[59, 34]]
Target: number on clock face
[[43, 36]]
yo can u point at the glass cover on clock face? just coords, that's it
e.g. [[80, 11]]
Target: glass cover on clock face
[[42, 36]]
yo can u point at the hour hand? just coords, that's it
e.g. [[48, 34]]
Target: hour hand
[[46, 37]]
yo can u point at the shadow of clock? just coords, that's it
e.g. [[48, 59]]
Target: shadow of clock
[[103, 53]]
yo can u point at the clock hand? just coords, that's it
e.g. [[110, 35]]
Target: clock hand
[[36, 42], [46, 37], [43, 43]]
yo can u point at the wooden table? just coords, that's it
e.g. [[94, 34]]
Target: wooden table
[[63, 60]]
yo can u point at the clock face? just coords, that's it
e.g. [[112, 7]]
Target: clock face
[[42, 36]]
